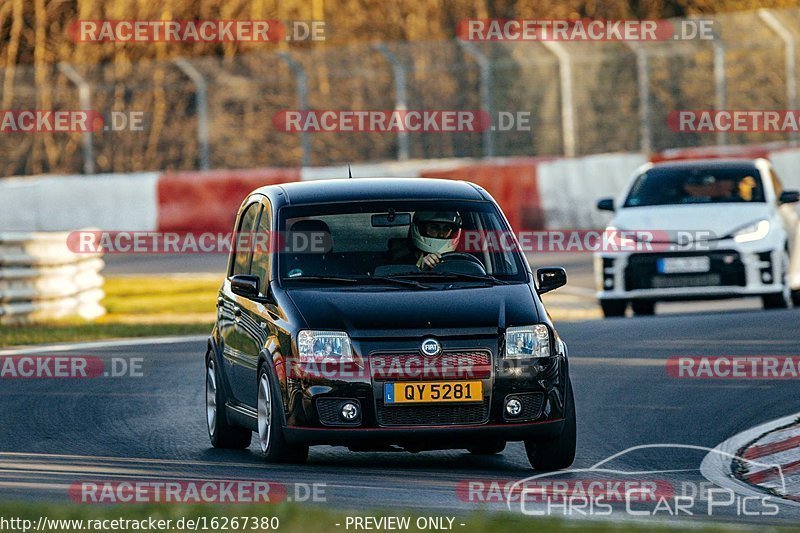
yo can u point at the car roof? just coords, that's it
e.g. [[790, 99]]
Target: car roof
[[726, 163], [372, 189]]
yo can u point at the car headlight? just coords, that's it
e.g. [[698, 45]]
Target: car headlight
[[316, 346], [752, 232], [528, 341]]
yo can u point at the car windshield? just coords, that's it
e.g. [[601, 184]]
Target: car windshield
[[404, 244], [675, 186]]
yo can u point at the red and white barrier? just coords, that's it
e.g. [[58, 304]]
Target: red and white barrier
[[534, 192]]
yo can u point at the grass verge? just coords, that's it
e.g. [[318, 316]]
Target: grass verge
[[138, 306]]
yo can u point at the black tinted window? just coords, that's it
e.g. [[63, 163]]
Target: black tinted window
[[673, 186]]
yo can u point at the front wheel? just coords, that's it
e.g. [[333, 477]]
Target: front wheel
[[783, 299], [613, 308], [270, 430], [643, 307], [557, 453]]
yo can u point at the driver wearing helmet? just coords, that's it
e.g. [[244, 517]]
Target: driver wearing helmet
[[432, 234]]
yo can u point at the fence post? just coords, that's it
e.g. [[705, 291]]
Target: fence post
[[85, 101], [400, 99], [201, 88], [567, 96], [302, 103], [643, 83], [485, 67], [719, 83], [790, 58]]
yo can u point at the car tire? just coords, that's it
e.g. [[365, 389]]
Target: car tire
[[489, 448], [221, 432], [783, 299], [271, 440], [796, 298], [643, 307], [557, 453], [613, 308]]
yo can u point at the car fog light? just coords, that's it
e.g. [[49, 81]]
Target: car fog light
[[513, 407], [349, 411]]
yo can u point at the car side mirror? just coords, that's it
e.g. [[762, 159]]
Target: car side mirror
[[550, 278], [245, 285], [789, 197], [605, 204]]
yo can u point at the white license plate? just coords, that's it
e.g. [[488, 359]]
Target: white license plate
[[683, 265]]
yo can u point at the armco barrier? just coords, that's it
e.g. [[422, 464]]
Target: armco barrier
[[207, 201], [63, 203], [41, 279]]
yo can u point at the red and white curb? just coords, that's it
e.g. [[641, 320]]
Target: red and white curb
[[762, 460]]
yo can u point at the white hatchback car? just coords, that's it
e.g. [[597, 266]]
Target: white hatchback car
[[719, 229]]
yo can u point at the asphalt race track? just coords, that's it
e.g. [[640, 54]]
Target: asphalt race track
[[60, 431]]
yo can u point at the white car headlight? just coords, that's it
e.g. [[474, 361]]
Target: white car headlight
[[752, 232], [528, 341], [317, 346]]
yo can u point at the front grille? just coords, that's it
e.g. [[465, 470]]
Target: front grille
[[329, 411], [433, 415], [532, 404], [726, 269], [473, 364]]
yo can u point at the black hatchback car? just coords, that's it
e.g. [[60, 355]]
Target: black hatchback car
[[385, 314]]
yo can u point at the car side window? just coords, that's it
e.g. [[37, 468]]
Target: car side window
[[241, 262], [262, 243]]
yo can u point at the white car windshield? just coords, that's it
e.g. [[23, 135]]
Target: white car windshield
[[674, 186]]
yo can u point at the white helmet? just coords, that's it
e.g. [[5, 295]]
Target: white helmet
[[433, 244]]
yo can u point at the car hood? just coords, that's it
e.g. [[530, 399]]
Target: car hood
[[477, 310], [719, 219]]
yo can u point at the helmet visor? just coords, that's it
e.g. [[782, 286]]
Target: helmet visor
[[437, 229]]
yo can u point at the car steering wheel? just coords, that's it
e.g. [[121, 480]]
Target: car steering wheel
[[469, 264], [456, 256]]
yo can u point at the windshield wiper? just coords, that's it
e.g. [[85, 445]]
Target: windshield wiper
[[332, 279], [454, 276], [400, 281]]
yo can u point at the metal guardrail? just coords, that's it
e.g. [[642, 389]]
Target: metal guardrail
[[42, 279]]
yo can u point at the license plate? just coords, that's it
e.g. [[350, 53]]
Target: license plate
[[683, 265], [432, 392]]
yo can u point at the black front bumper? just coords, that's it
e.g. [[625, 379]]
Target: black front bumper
[[311, 400]]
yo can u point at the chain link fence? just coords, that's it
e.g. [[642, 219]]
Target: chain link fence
[[583, 98]]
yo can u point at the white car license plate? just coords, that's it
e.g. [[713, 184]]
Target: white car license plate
[[683, 265]]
